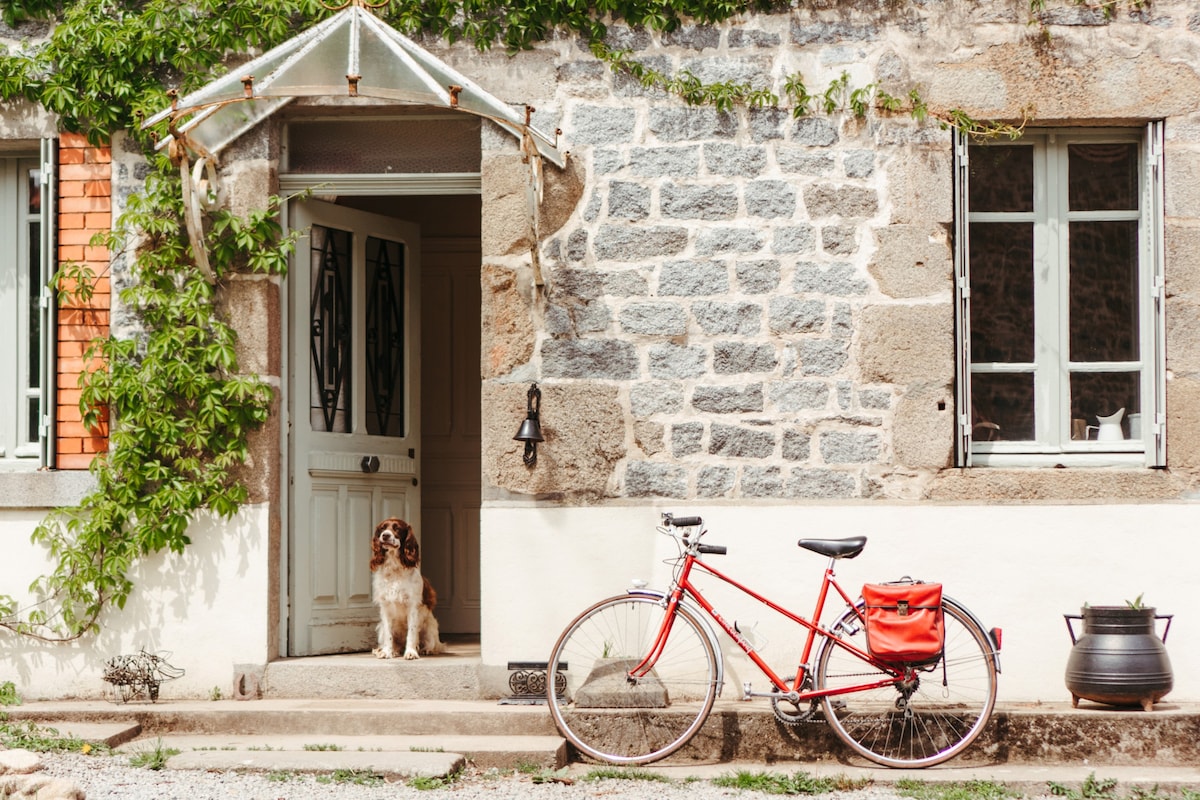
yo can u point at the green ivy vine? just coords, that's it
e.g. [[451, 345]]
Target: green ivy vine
[[178, 408]]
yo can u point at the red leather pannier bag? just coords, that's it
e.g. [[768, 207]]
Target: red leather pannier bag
[[904, 621]]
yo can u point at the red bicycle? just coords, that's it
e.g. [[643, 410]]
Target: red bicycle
[[633, 678]]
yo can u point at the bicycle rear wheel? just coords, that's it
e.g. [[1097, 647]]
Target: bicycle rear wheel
[[920, 722], [608, 715]]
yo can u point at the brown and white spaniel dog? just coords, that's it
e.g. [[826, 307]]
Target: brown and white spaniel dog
[[405, 598]]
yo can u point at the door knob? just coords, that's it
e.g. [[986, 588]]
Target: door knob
[[370, 464]]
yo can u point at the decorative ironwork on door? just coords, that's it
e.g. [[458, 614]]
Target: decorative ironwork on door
[[385, 338], [331, 330]]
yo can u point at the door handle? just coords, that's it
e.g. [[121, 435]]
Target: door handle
[[370, 464]]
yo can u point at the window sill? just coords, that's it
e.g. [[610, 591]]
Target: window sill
[[29, 488], [1059, 460]]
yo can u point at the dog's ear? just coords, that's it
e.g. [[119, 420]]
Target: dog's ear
[[378, 554]]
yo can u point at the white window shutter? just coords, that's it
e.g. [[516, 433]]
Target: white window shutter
[[962, 299], [1156, 455]]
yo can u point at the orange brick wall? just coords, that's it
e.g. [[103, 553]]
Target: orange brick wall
[[84, 209]]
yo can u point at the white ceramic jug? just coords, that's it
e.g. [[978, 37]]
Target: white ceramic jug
[[1110, 427]]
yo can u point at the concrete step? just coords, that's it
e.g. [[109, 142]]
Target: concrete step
[[450, 675], [737, 732]]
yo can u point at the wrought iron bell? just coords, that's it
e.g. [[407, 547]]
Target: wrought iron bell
[[530, 431]]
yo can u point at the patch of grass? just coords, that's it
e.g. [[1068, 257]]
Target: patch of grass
[[155, 758], [215, 694], [8, 694], [955, 790], [547, 775], [780, 783], [280, 776], [28, 735], [322, 747], [426, 749], [358, 777], [428, 782], [623, 773], [1092, 788], [261, 747]]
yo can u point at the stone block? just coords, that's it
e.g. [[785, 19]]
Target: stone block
[[907, 344], [677, 361], [507, 321], [767, 124], [822, 356], [1183, 259], [839, 240], [716, 318], [1183, 423], [654, 318], [758, 277], [850, 447], [770, 199], [809, 31], [584, 427], [733, 160], [650, 479], [794, 239], [743, 37], [789, 396], [562, 191], [686, 438], [1183, 346], [600, 359], [250, 304], [802, 161], [859, 163], [797, 445], [739, 358], [838, 280], [910, 261], [696, 37], [814, 132], [648, 436], [715, 481], [626, 283], [919, 185], [657, 162], [647, 399], [506, 225], [728, 399], [691, 124], [1182, 188], [628, 200], [716, 241], [762, 482], [821, 484], [637, 243], [828, 200], [687, 201], [923, 428], [693, 278], [602, 125], [790, 315]]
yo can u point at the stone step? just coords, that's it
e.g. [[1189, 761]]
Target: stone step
[[451, 675], [743, 732]]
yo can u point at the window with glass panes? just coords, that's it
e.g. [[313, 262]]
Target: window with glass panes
[[22, 315], [1060, 292]]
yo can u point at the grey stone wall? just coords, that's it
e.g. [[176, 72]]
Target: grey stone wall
[[767, 300]]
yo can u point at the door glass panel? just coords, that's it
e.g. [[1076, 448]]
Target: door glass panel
[[417, 145], [330, 330], [1001, 178], [1002, 406], [1100, 399], [1103, 177], [1002, 279], [385, 338], [1103, 291]]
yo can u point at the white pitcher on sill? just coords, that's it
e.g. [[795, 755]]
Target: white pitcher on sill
[[1109, 429]]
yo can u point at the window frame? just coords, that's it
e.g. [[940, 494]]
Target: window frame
[[28, 293], [1051, 303]]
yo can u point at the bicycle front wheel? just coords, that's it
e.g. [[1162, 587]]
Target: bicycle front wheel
[[923, 720], [611, 716]]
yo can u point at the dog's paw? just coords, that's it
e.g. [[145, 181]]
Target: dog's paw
[[411, 655], [380, 652]]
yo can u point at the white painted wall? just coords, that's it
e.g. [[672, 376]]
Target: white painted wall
[[207, 608], [1019, 568]]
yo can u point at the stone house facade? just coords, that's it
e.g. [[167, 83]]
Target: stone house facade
[[765, 319]]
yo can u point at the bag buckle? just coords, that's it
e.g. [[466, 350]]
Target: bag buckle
[[902, 608]]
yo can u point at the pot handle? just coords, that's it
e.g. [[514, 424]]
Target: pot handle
[[1166, 630], [1070, 630]]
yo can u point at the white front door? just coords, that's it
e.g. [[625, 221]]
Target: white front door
[[355, 414]]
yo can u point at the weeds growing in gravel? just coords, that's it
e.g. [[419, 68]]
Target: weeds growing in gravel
[[624, 773], [30, 736], [1094, 788], [427, 782], [797, 783], [322, 747], [955, 790], [8, 694], [280, 776], [154, 758], [359, 777]]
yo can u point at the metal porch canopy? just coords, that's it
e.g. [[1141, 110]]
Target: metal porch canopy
[[352, 53]]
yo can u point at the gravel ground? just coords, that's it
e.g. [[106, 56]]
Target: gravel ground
[[111, 778]]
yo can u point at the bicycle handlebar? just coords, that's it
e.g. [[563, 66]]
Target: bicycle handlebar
[[713, 549], [682, 522]]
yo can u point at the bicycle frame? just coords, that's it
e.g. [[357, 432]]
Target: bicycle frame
[[682, 587]]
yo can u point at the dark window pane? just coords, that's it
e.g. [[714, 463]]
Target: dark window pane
[[330, 330], [1002, 292], [33, 432], [35, 313], [35, 191], [1103, 177], [1103, 394], [1103, 291], [1001, 178], [1002, 407], [385, 337]]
